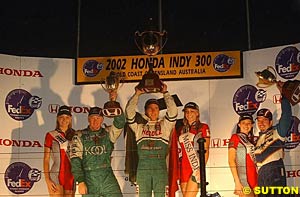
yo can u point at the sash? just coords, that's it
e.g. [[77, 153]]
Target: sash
[[191, 154], [62, 141], [248, 145]]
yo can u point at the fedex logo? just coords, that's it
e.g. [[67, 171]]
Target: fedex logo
[[20, 110], [290, 68], [22, 183], [248, 106], [222, 66], [87, 71]]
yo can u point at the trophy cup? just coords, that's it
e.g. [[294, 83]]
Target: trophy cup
[[111, 108], [150, 43], [290, 89]]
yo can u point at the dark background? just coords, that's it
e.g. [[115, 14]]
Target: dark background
[[50, 28]]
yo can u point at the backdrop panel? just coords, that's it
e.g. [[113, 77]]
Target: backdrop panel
[[33, 88]]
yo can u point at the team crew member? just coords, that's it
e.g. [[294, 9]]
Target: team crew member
[[59, 179], [269, 148], [241, 157], [152, 140], [91, 151], [184, 142]]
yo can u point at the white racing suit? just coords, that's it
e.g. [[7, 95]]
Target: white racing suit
[[152, 142]]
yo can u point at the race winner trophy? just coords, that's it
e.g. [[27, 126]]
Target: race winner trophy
[[150, 43], [290, 89], [111, 108]]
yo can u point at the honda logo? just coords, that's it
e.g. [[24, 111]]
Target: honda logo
[[277, 99], [216, 142], [53, 108]]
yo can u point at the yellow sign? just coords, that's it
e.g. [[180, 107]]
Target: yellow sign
[[187, 66]]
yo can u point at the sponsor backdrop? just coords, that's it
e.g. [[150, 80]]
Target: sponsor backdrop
[[33, 88]]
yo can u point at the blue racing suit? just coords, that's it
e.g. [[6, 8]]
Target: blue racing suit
[[269, 150]]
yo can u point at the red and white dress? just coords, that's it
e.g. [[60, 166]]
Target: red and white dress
[[184, 138], [60, 171], [245, 159]]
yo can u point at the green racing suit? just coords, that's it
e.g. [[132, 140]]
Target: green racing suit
[[90, 153]]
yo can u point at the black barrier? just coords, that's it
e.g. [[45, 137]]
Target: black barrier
[[202, 152]]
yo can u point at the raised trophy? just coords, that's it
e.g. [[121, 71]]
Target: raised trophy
[[111, 108], [290, 89], [150, 43]]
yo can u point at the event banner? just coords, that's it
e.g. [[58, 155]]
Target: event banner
[[187, 66]]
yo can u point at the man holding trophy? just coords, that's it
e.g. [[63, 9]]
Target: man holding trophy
[[152, 137], [269, 148], [151, 133], [91, 150]]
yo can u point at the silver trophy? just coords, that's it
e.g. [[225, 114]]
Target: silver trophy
[[266, 78], [111, 108], [150, 43], [290, 89]]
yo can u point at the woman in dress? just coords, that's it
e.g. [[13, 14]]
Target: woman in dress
[[59, 179], [185, 166], [241, 156]]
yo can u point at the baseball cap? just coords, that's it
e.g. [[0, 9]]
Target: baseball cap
[[245, 117], [64, 110], [95, 111], [191, 105], [151, 101], [265, 113]]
